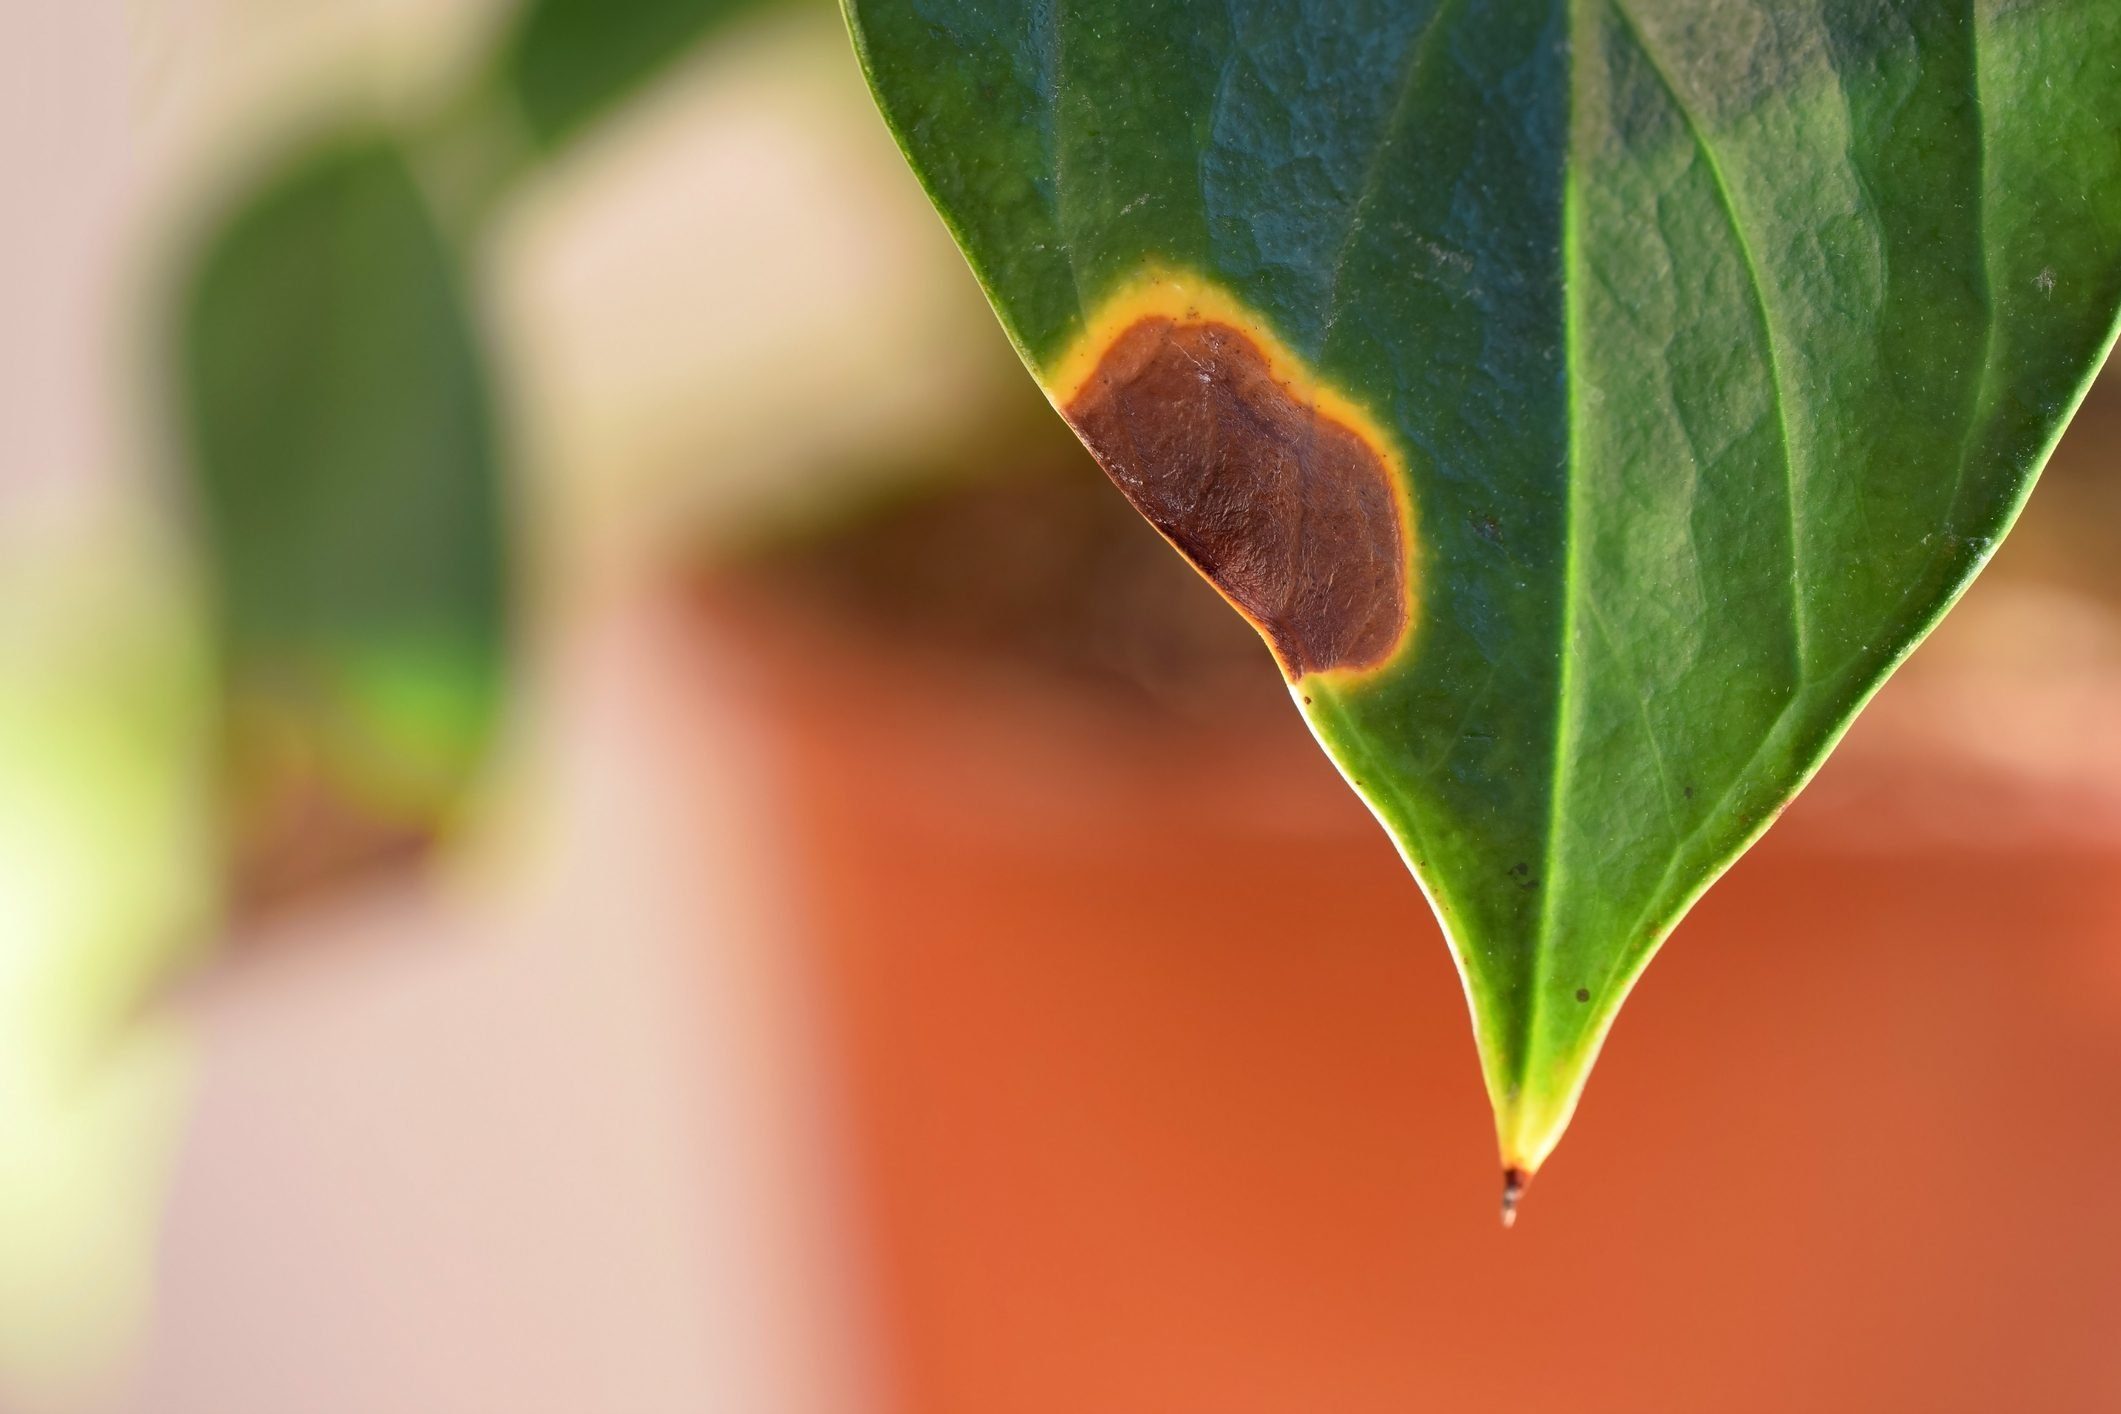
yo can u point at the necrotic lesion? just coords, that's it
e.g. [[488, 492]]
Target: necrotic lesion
[[1288, 512]]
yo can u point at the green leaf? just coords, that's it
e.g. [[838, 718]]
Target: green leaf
[[1705, 349], [344, 463], [567, 61]]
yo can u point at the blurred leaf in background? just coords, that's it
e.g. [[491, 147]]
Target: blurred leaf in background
[[567, 61], [347, 474], [345, 447]]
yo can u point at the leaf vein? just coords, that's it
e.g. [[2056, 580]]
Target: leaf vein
[[1770, 344], [1373, 175]]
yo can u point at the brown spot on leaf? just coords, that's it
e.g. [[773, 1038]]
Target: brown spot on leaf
[[1290, 513]]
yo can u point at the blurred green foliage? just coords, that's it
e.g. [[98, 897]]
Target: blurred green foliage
[[104, 887], [346, 469], [340, 420], [567, 61]]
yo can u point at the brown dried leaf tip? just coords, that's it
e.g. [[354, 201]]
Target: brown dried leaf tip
[[1292, 513], [1514, 1182]]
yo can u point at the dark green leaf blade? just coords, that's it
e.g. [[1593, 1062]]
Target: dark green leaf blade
[[1714, 343], [344, 464]]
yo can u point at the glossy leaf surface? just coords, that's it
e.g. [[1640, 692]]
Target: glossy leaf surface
[[1710, 345]]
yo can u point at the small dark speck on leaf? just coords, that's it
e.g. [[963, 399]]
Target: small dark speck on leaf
[[1689, 792], [1583, 994], [1307, 702], [1519, 869]]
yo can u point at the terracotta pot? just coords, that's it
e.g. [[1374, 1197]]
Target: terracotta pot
[[1165, 1095]]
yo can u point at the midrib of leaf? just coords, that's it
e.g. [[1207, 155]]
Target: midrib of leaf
[[1572, 538], [1630, 959]]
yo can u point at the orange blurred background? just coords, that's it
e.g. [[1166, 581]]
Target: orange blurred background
[[902, 952]]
